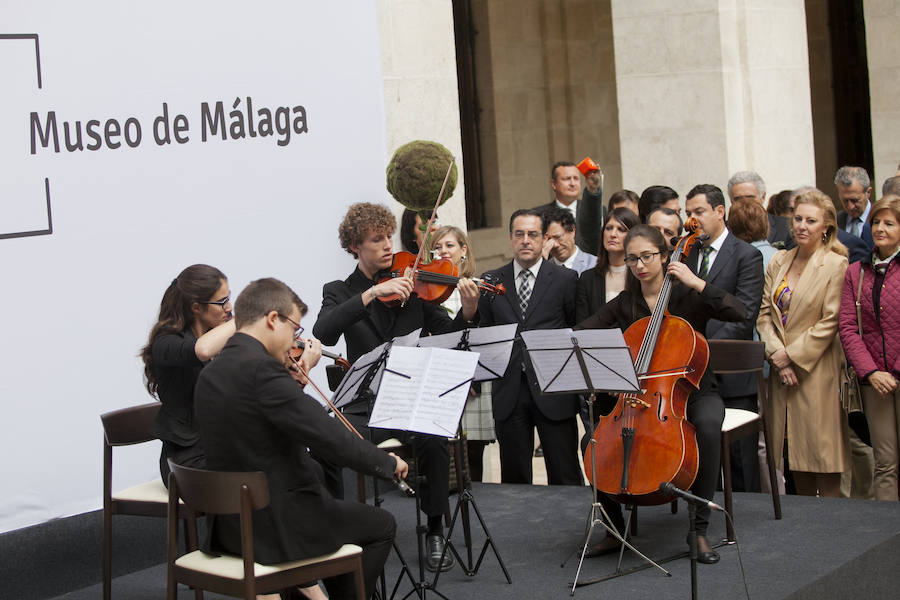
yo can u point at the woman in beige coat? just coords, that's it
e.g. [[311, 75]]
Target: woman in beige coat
[[798, 321]]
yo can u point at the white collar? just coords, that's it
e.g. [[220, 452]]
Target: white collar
[[573, 207], [517, 268]]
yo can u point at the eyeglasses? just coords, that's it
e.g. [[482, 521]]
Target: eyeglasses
[[298, 328], [645, 258], [533, 235], [221, 303]]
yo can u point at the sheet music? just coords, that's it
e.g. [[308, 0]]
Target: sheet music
[[494, 344], [606, 356], [348, 390], [424, 390]]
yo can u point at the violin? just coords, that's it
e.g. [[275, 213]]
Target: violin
[[295, 362], [646, 439], [432, 282], [295, 353]]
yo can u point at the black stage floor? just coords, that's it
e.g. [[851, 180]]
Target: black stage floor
[[822, 548]]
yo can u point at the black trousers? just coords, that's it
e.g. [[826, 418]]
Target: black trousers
[[558, 438], [433, 455], [706, 412], [373, 530], [186, 456]]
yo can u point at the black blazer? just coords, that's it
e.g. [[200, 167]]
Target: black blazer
[[779, 229], [253, 416], [365, 327], [590, 294], [865, 235], [591, 214], [551, 306], [856, 247], [738, 270]]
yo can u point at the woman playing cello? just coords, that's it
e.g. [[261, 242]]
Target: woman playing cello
[[646, 254]]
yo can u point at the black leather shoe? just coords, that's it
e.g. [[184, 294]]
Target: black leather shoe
[[539, 452], [607, 545], [434, 547], [706, 558]]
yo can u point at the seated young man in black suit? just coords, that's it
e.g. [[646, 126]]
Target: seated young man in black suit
[[350, 308], [254, 416]]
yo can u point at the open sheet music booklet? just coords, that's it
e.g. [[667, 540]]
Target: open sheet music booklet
[[424, 390]]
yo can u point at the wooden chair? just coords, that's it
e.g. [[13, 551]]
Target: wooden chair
[[742, 356], [126, 427], [228, 493]]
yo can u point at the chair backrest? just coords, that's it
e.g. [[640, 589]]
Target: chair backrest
[[219, 492], [132, 425], [736, 356]]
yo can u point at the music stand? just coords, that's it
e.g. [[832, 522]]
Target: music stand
[[359, 385], [584, 362], [494, 345], [418, 390]]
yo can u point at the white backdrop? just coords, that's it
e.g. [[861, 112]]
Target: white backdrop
[[77, 304]]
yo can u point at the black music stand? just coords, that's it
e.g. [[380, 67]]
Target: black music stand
[[494, 345], [439, 389], [357, 386], [585, 362]]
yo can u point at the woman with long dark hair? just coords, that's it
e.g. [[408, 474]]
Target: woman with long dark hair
[[193, 325], [606, 279], [696, 301]]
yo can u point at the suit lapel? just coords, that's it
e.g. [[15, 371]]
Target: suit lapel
[[541, 284], [722, 257], [807, 285], [508, 278], [377, 315]]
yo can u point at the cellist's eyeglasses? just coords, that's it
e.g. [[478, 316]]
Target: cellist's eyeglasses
[[631, 260], [298, 328]]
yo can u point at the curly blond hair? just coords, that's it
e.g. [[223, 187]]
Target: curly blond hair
[[362, 219]]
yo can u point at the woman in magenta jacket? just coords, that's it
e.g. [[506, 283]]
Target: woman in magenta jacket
[[876, 355]]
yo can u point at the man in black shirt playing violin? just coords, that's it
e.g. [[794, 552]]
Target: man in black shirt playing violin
[[349, 308]]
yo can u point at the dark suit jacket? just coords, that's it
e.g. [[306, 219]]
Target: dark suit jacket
[[738, 270], [779, 229], [551, 306], [591, 214], [365, 327], [856, 247], [254, 417], [590, 294], [865, 235]]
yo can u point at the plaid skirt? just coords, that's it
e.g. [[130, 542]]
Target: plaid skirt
[[478, 416]]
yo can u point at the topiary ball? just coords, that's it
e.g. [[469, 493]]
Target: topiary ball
[[416, 172]]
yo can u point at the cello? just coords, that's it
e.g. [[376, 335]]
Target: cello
[[646, 439]]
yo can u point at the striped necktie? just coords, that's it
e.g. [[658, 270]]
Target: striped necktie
[[704, 264], [524, 290]]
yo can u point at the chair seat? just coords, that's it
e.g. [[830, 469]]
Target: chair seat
[[390, 444], [232, 567], [150, 491], [737, 417]]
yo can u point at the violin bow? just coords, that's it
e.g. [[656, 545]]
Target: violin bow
[[440, 197]]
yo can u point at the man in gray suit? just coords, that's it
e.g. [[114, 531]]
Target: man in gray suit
[[559, 241]]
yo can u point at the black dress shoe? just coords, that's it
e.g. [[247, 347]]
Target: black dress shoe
[[706, 558], [434, 547], [607, 545], [539, 452]]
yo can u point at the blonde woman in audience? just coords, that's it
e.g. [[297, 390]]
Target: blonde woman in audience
[[876, 354], [798, 321], [478, 419]]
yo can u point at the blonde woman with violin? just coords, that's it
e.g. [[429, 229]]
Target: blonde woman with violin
[[351, 308], [798, 321], [452, 244]]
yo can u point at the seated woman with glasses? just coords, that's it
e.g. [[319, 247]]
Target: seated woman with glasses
[[193, 325], [696, 301]]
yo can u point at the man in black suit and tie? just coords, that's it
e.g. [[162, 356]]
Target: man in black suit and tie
[[589, 212], [540, 295], [351, 308], [748, 185], [854, 189], [254, 416], [735, 266]]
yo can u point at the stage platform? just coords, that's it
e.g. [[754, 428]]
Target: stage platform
[[822, 548]]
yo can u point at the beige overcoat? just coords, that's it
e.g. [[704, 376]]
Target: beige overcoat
[[810, 412]]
